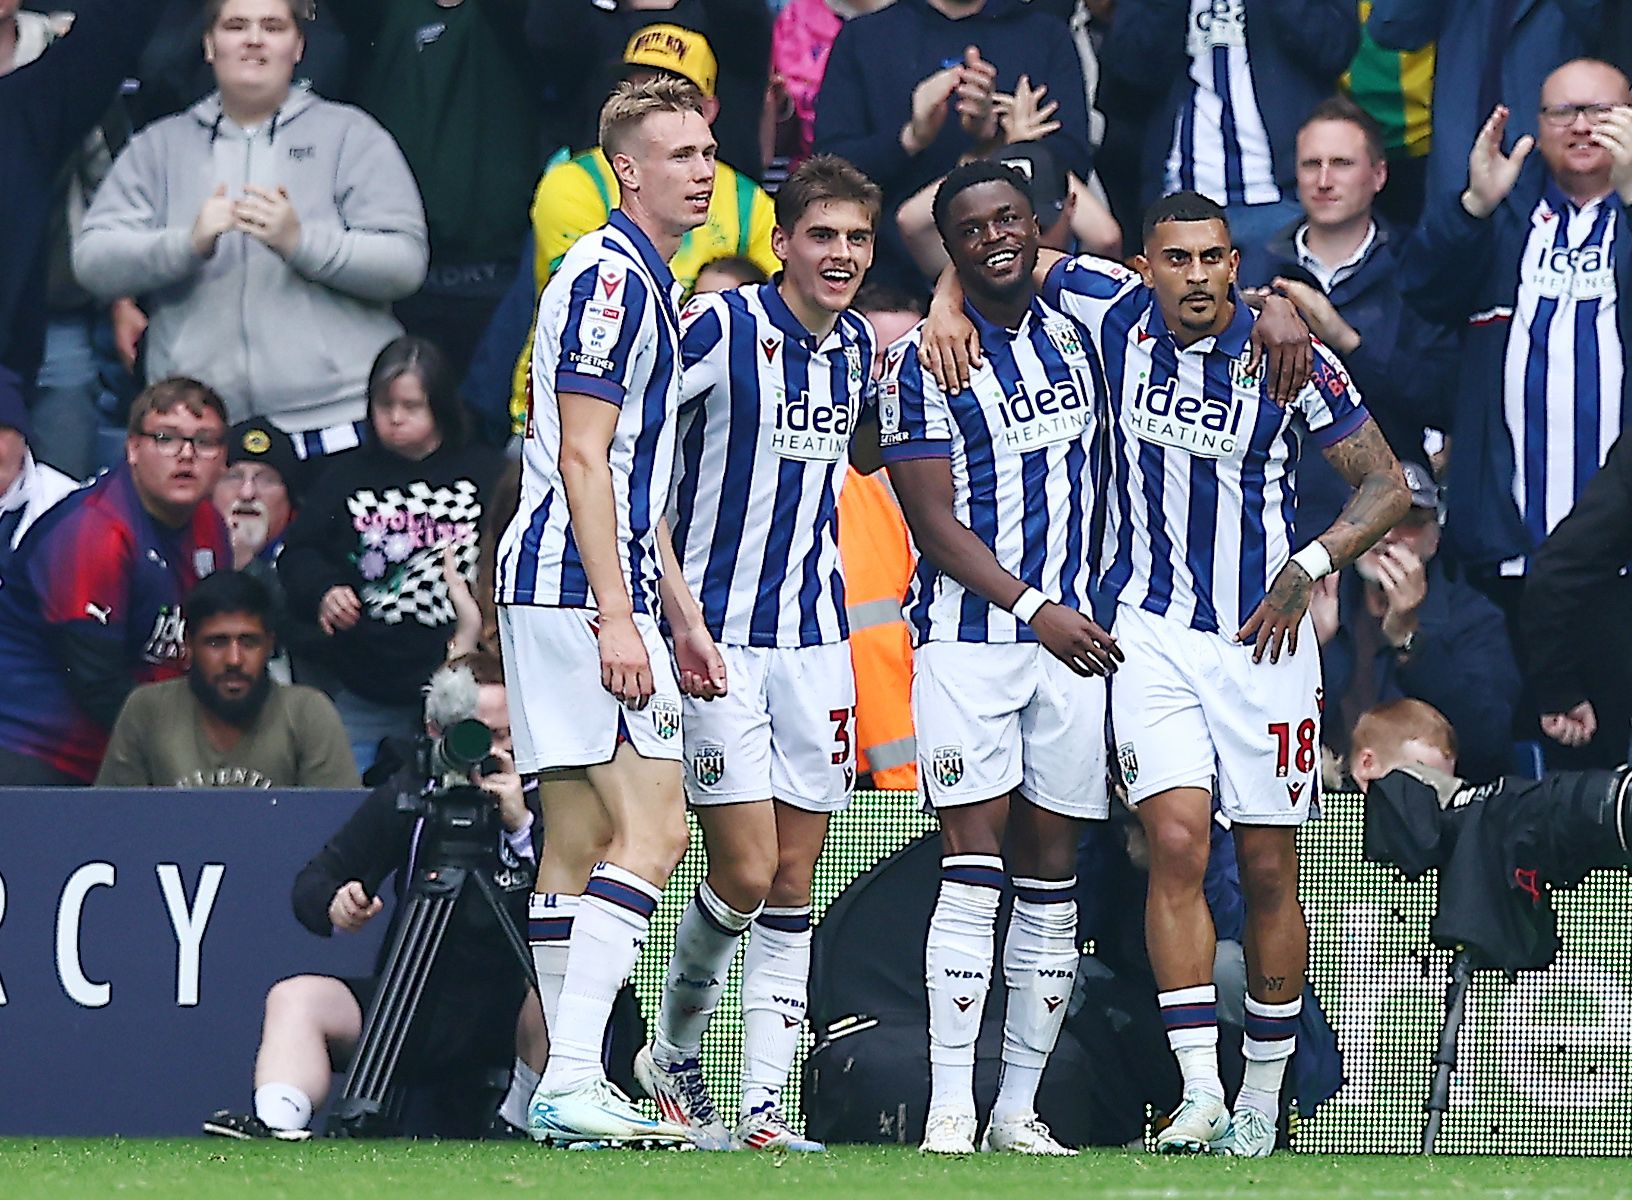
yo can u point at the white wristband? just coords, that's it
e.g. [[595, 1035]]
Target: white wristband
[[1026, 607], [1315, 559]]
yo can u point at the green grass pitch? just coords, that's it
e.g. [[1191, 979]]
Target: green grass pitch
[[32, 1168]]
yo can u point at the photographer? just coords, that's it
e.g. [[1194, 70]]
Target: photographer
[[472, 1017]]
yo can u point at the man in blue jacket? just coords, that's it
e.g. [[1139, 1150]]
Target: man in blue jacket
[[1486, 52], [46, 110], [1240, 77], [1534, 258], [1338, 262], [908, 93]]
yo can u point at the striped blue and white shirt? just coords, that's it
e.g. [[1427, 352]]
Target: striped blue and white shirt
[[766, 415], [607, 328], [1025, 456], [1220, 146], [1203, 463], [1561, 375]]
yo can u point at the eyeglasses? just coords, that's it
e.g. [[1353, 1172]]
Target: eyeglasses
[[205, 445], [1562, 116]]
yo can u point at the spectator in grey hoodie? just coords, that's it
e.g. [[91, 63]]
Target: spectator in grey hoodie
[[267, 232]]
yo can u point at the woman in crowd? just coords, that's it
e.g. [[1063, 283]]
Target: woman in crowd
[[364, 560]]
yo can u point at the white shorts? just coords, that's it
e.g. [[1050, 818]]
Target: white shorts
[[992, 718], [786, 728], [1191, 709], [560, 715]]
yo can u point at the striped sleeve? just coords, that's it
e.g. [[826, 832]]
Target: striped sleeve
[[602, 326], [1330, 403], [702, 346], [1085, 287], [914, 420]]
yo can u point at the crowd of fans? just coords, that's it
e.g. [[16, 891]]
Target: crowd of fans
[[273, 272]]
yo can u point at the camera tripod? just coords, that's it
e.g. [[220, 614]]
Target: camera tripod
[[460, 849]]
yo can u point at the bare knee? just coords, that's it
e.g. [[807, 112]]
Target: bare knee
[[791, 886], [1269, 870], [744, 879], [311, 1002], [655, 848], [1178, 852], [570, 854]]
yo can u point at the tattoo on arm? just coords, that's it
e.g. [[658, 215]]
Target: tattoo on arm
[[1380, 498]]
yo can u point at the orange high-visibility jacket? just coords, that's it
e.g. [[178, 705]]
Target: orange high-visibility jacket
[[878, 563]]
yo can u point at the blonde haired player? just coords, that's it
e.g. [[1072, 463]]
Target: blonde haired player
[[584, 572]]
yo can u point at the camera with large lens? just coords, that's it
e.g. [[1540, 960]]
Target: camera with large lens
[[461, 821]]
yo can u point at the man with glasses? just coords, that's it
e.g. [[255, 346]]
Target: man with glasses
[[90, 605], [1534, 262]]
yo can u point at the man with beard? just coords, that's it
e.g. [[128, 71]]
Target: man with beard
[[257, 493], [226, 723]]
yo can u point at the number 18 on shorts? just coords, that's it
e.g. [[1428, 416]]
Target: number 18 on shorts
[[1191, 709]]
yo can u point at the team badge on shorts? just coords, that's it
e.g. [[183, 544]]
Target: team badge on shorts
[[665, 717], [708, 764], [947, 765], [1128, 761]]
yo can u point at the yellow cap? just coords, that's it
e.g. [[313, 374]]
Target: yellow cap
[[685, 52]]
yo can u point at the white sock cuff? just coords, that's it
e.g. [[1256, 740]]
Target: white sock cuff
[[968, 900], [1204, 994], [792, 922], [553, 904], [720, 914], [283, 1106], [1291, 1008]]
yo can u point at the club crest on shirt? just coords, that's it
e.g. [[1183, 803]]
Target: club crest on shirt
[[708, 764], [852, 364], [1128, 760], [665, 717], [946, 764], [1242, 373], [1065, 337]]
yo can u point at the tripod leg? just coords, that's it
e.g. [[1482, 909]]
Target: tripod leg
[[518, 944], [385, 1026], [400, 990], [1439, 1092]]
